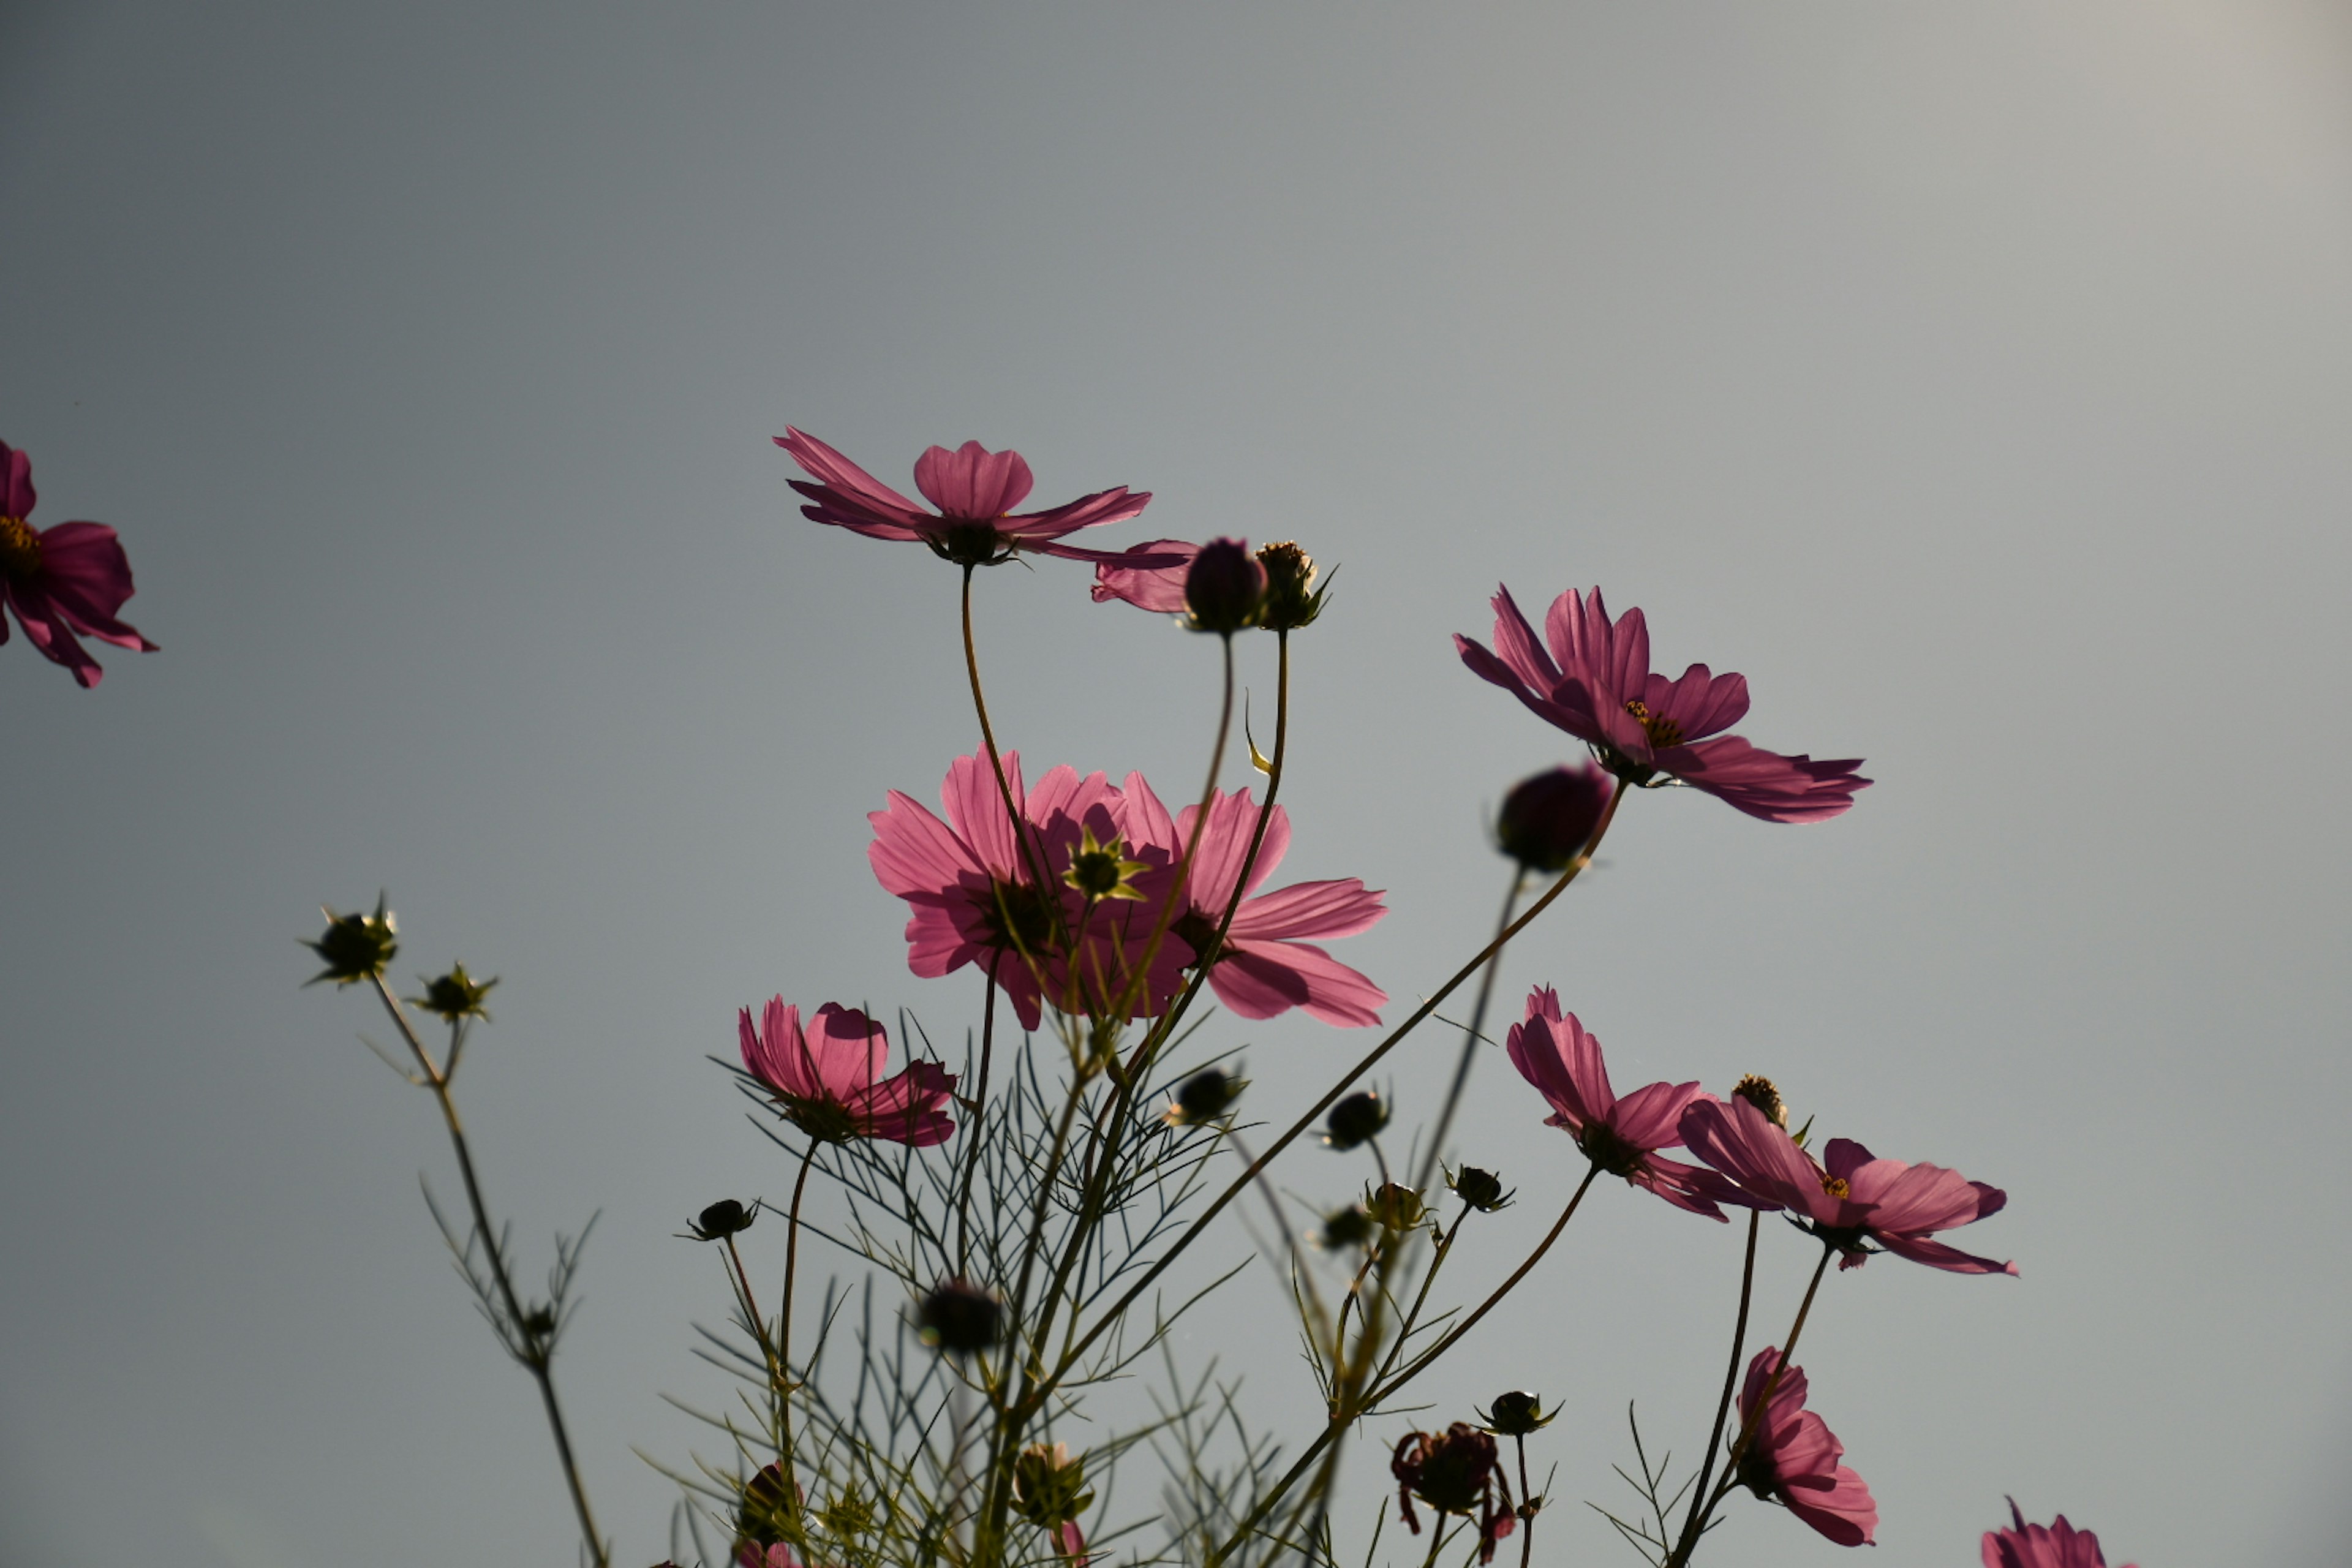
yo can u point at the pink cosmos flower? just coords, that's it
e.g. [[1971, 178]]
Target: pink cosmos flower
[[1853, 1198], [976, 897], [1071, 1542], [1149, 576], [1266, 966], [2054, 1545], [975, 490], [830, 1079], [62, 579], [1596, 684], [1553, 1051], [1793, 1456]]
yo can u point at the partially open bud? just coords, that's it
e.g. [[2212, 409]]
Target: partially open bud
[[355, 947], [1349, 1227], [1395, 1207], [1049, 1485], [960, 1318], [723, 1219], [1760, 1092], [1546, 820], [456, 995], [1205, 1097], [1517, 1414], [1355, 1119], [1482, 1190], [1226, 588], [1292, 600]]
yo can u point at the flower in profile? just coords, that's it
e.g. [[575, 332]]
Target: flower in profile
[[1553, 1051], [1596, 683], [1265, 965], [2057, 1545], [1852, 1198], [1454, 1471], [975, 490], [976, 895], [829, 1080], [60, 581], [1792, 1456]]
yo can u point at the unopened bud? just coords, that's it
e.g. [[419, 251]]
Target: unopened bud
[[1546, 820], [1354, 1120], [960, 1318], [1349, 1227], [1395, 1207], [723, 1219], [1482, 1190], [1517, 1414], [456, 995], [1205, 1097], [1292, 600], [355, 947], [1225, 587]]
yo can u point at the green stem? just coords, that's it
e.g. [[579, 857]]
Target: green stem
[[1471, 1035], [784, 1317], [1723, 1406]]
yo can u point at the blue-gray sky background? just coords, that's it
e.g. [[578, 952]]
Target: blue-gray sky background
[[1975, 378]]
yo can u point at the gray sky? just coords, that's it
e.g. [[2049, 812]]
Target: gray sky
[[1974, 378]]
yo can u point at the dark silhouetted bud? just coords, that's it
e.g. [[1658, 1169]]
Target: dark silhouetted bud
[[960, 1319], [1395, 1207], [723, 1219], [456, 995], [355, 947], [1546, 820], [1292, 600], [1482, 1190], [539, 1323], [768, 1506], [1225, 587], [1349, 1227], [1765, 1096], [1205, 1097], [1358, 1116], [1517, 1414], [1049, 1485]]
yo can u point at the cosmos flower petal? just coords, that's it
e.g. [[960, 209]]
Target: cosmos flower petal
[[835, 472], [1647, 1118], [1310, 910], [1765, 784], [1936, 1255], [1323, 987], [971, 482], [1700, 703], [1149, 576]]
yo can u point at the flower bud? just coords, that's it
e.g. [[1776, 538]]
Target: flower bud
[[1517, 1414], [723, 1219], [960, 1318], [1354, 1120], [1049, 1485], [1205, 1097], [1395, 1207], [355, 947], [1545, 820], [1292, 600], [769, 1503], [1482, 1190], [1226, 588], [1349, 1227], [456, 995]]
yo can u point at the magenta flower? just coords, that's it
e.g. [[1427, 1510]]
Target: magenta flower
[[1793, 1456], [62, 579], [829, 1080], [1267, 965], [2057, 1545], [1149, 576], [1850, 1200], [977, 899], [1553, 1052], [1639, 725], [975, 490]]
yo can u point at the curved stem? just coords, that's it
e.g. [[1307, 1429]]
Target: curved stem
[[784, 1317], [1032, 856], [1471, 1035], [1730, 1381], [977, 1120]]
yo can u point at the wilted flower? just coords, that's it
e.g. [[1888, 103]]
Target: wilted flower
[[829, 1082], [960, 1318], [1517, 1414], [1355, 1119], [1482, 1190], [355, 947], [1545, 820], [975, 490], [1205, 1097], [723, 1219], [1601, 690], [1223, 588], [1852, 1198], [1792, 1455], [70, 578], [2057, 1545], [456, 995], [1553, 1052], [1454, 1471], [1267, 962]]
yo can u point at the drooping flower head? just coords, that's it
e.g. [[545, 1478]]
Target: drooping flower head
[[974, 490], [1267, 965], [1792, 1456], [1015, 904], [1595, 682], [828, 1078], [1554, 1052], [60, 581], [1851, 1199], [1456, 1471], [2057, 1545]]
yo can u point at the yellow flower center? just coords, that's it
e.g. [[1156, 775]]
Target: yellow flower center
[[1662, 730], [20, 548], [1836, 1187]]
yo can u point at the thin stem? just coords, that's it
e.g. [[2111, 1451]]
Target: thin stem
[[1527, 1503], [1730, 1381], [976, 1123], [784, 1317], [1471, 1035], [1033, 857], [537, 1360], [779, 1384]]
